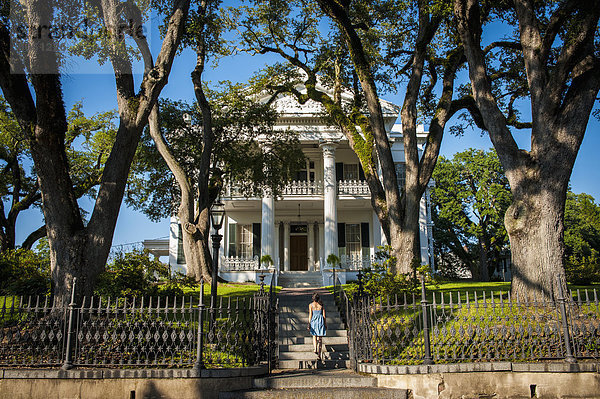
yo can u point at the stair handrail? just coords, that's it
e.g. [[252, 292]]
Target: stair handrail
[[273, 328], [345, 307]]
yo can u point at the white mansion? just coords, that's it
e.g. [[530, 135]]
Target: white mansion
[[325, 210]]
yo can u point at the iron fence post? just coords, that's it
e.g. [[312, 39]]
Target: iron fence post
[[216, 245], [68, 364], [426, 341], [360, 283], [199, 360], [569, 358]]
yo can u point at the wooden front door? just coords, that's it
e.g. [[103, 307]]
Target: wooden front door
[[298, 253]]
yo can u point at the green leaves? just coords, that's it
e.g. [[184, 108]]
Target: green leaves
[[247, 150], [582, 238], [470, 197]]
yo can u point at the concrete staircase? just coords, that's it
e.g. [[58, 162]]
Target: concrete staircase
[[295, 341], [300, 375], [319, 384], [302, 279]]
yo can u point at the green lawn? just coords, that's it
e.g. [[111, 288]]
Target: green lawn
[[471, 287], [226, 291]]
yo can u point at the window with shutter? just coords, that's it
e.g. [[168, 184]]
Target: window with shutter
[[353, 242]]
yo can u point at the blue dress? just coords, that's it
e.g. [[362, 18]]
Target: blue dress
[[317, 323]]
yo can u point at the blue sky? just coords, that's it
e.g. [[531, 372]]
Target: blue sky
[[97, 92]]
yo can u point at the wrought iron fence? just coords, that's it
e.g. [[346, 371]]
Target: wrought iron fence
[[147, 332], [455, 327]]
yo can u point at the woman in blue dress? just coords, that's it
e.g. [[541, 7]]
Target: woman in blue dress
[[318, 323]]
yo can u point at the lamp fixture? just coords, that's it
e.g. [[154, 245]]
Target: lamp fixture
[[217, 214]]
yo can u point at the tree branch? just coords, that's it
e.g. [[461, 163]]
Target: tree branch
[[31, 239]]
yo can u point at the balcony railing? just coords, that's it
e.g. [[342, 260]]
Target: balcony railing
[[353, 187], [356, 262], [311, 189], [234, 263]]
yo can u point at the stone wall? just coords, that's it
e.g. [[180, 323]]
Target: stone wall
[[126, 384], [492, 380]]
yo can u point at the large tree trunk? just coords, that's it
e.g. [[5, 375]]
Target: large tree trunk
[[408, 247], [534, 222], [483, 274], [77, 250], [562, 93], [196, 246]]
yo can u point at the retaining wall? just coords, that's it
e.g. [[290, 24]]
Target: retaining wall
[[492, 380], [126, 384]]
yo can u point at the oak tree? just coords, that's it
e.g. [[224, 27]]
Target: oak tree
[[550, 60], [31, 83]]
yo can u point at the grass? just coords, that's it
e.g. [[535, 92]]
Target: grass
[[477, 332]]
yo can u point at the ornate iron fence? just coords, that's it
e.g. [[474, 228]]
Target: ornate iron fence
[[147, 332], [32, 332], [455, 327]]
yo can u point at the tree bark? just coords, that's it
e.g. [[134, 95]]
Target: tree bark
[[562, 97], [483, 259], [34, 237], [77, 250], [403, 208]]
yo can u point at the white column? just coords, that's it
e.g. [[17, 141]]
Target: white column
[[267, 229], [311, 246], [286, 246], [276, 248], [329, 198], [321, 245]]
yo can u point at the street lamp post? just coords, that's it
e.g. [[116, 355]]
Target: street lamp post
[[217, 214]]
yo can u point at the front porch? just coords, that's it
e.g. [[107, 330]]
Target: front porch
[[243, 270]]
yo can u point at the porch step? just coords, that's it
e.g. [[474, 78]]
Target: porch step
[[322, 378], [309, 355], [300, 279], [283, 333], [315, 383], [329, 347], [295, 341], [314, 364], [318, 393]]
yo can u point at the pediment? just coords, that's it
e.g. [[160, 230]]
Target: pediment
[[288, 106]]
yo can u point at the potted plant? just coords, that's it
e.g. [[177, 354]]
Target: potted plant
[[333, 261], [267, 261]]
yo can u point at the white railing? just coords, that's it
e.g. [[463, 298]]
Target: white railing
[[234, 263], [310, 188], [303, 188], [233, 191], [353, 187], [356, 262]]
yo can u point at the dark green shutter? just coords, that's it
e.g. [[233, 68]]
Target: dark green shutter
[[341, 235], [339, 171], [364, 235], [361, 173], [255, 239]]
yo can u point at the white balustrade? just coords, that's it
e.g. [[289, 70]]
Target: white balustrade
[[353, 187], [303, 188], [234, 263], [356, 262]]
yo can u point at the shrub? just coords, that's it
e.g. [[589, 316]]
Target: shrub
[[24, 272], [132, 274], [582, 270], [380, 282]]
